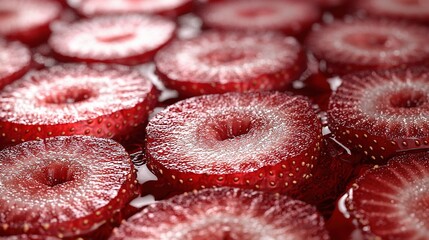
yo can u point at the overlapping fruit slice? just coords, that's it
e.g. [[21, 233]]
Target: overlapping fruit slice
[[268, 141], [100, 7], [63, 186], [102, 101], [290, 17], [15, 60], [414, 10], [369, 44], [27, 20], [219, 62], [123, 39], [390, 202], [225, 213], [382, 113]]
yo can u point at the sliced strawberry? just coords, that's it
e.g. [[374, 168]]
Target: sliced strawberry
[[414, 10], [63, 186], [27, 20], [126, 39], [15, 60], [172, 8], [390, 201], [225, 213], [382, 113], [369, 44], [102, 101], [267, 141], [290, 17], [219, 62]]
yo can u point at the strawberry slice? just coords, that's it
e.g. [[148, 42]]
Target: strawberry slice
[[225, 213], [389, 201], [382, 113], [27, 20], [103, 101], [125, 39], [267, 141], [15, 60], [414, 10], [219, 62], [289, 17], [63, 186], [369, 44], [172, 8]]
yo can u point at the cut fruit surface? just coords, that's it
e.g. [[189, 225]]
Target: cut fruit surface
[[63, 186], [15, 60], [268, 141], [414, 10], [369, 44], [382, 113], [289, 17], [225, 213], [219, 62], [101, 7], [390, 202], [123, 39], [27, 20], [99, 100]]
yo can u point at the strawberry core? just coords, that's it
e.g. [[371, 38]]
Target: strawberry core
[[232, 128], [371, 40], [55, 174], [70, 96], [407, 99], [116, 38], [256, 12], [227, 55]]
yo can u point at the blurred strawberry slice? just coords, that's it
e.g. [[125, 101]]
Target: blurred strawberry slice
[[15, 60]]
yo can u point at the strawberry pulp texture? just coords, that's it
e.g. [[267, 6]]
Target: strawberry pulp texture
[[121, 39], [391, 201], [352, 46], [219, 62], [64, 186], [382, 113], [233, 214], [15, 60], [269, 141], [76, 100], [28, 20]]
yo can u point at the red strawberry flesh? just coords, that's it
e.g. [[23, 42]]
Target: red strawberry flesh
[[102, 101], [101, 7], [124, 39], [225, 213], [27, 20], [382, 113], [63, 186], [219, 62], [290, 17], [413, 10], [15, 61], [391, 201], [267, 141], [369, 44]]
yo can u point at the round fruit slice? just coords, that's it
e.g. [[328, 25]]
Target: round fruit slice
[[219, 62], [267, 141], [172, 8], [101, 101], [225, 213], [290, 17], [382, 113], [414, 10], [27, 20], [390, 201], [126, 39], [369, 44], [15, 60], [63, 186]]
